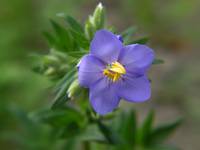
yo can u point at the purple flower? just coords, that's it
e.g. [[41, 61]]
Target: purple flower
[[113, 71]]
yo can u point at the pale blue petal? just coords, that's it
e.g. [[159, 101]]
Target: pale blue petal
[[134, 89], [106, 46], [103, 96], [90, 70], [136, 58]]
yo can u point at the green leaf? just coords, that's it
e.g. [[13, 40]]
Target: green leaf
[[61, 96], [147, 127], [80, 39], [127, 127], [29, 134], [74, 24], [64, 87], [58, 117], [66, 122], [142, 40], [63, 37], [68, 75], [60, 102], [109, 134], [160, 133], [128, 33], [77, 54], [92, 133], [158, 61], [50, 38]]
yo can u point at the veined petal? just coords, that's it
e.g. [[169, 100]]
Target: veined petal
[[103, 97], [90, 70], [134, 89], [136, 58], [106, 46]]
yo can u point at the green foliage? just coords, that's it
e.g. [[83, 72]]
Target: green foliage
[[70, 116], [76, 26], [33, 135], [128, 35], [142, 40], [21, 25], [146, 128], [159, 134], [68, 44], [66, 121], [110, 136], [95, 22], [147, 136]]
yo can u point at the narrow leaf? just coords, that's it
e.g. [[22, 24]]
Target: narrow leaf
[[77, 54], [76, 26], [60, 102], [111, 137], [80, 39], [92, 133], [60, 83], [59, 117], [147, 127], [61, 96], [160, 133], [127, 34], [50, 38], [143, 40], [128, 127], [63, 37]]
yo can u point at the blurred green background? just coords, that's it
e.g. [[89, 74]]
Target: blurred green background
[[173, 28]]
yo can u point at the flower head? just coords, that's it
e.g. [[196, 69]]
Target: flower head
[[113, 71]]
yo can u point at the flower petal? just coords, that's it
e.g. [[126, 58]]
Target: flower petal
[[103, 96], [134, 89], [90, 70], [136, 58], [106, 46]]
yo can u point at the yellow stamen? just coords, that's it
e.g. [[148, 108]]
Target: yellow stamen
[[114, 71]]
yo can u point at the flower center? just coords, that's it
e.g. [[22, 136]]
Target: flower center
[[114, 71]]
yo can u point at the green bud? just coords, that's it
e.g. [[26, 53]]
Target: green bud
[[50, 71], [61, 56], [73, 88], [50, 60], [95, 22], [89, 30], [99, 17]]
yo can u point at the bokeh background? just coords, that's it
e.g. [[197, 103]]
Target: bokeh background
[[173, 28]]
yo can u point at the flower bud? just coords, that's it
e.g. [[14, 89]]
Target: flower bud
[[50, 71], [95, 22], [73, 88], [99, 17]]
